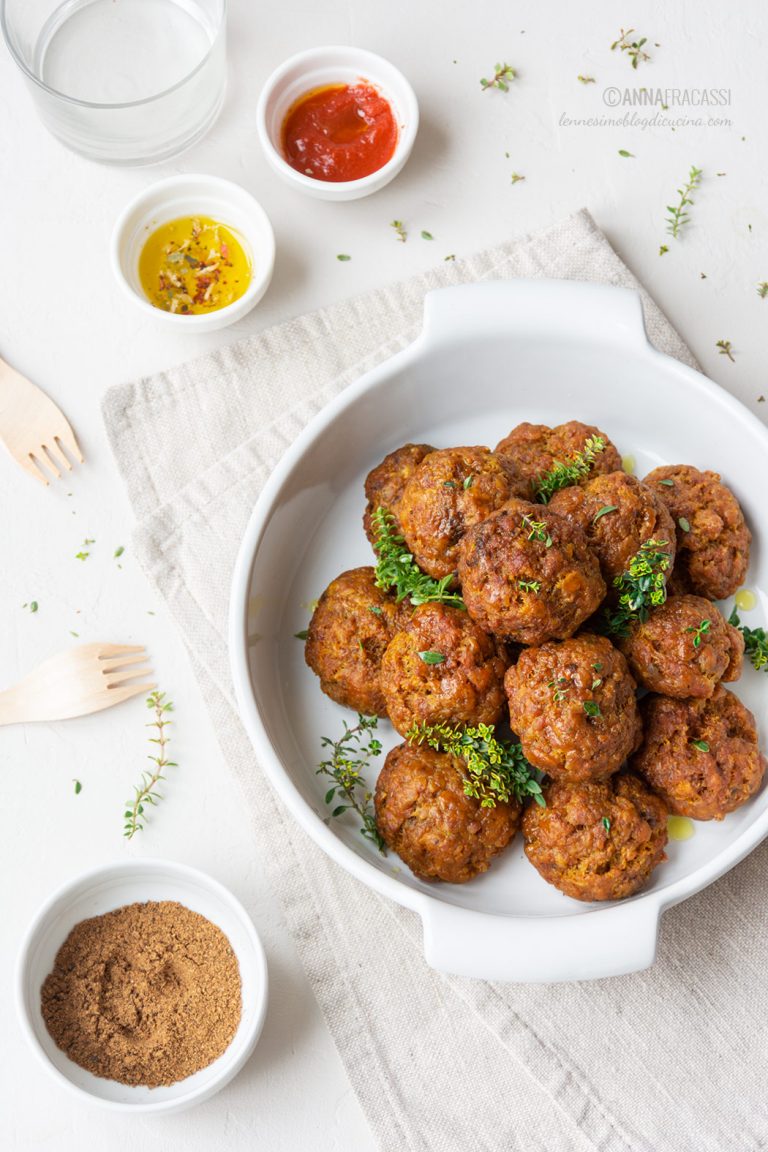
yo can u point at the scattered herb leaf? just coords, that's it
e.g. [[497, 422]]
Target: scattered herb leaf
[[537, 530], [430, 657], [586, 79], [604, 511], [684, 524], [701, 745], [496, 770], [592, 708], [118, 552], [529, 586], [452, 256], [350, 758], [725, 349], [623, 152], [662, 249], [343, 257], [560, 688], [301, 635], [699, 631], [78, 787], [669, 483], [468, 481], [606, 824], [426, 235], [762, 289], [503, 74], [516, 178], [399, 227], [633, 48]]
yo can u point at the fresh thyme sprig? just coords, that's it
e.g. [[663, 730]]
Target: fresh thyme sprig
[[147, 793], [350, 758], [755, 643], [400, 229], [699, 630], [503, 74], [633, 48], [678, 217], [564, 475], [725, 348], [496, 770], [397, 568], [537, 530], [642, 586]]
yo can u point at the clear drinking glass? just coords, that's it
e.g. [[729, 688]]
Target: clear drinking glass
[[121, 81]]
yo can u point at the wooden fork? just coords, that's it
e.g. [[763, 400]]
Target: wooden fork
[[33, 429], [82, 680]]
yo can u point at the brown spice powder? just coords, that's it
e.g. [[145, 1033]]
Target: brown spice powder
[[147, 994]]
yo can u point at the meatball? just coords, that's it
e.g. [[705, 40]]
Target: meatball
[[617, 513], [684, 648], [700, 755], [350, 629], [598, 840], [424, 816], [535, 448], [449, 491], [385, 483], [573, 706], [712, 537], [442, 668], [527, 574]]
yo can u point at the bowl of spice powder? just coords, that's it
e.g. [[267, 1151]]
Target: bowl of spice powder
[[143, 986]]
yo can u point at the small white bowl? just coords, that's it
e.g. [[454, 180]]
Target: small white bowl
[[113, 886], [316, 68], [194, 195]]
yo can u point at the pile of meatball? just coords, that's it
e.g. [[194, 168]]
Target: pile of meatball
[[625, 730]]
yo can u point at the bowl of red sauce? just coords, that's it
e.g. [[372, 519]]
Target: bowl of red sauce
[[337, 123]]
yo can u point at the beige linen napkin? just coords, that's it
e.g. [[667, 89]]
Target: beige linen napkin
[[669, 1059]]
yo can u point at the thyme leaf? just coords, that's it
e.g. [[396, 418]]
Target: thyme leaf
[[569, 473]]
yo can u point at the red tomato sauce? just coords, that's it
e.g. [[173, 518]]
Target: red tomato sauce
[[341, 132]]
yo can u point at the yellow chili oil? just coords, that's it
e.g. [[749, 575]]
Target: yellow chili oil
[[194, 265]]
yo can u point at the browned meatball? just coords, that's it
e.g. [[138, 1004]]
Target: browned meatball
[[535, 449], [442, 668], [712, 537], [527, 574], [424, 816], [700, 755], [385, 483], [350, 629], [684, 648], [618, 513], [449, 491], [573, 706], [597, 841]]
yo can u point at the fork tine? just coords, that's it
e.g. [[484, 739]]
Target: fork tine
[[106, 651], [31, 464], [47, 459], [56, 454], [67, 437], [112, 663], [120, 693], [117, 679]]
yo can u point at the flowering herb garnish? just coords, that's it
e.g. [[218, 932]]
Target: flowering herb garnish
[[350, 758], [684, 524], [565, 475], [495, 770], [399, 227], [604, 512], [397, 568], [430, 657], [755, 643], [677, 214], [147, 794], [699, 631], [529, 586], [701, 745], [503, 74], [726, 349], [641, 587], [633, 48], [537, 530], [592, 709]]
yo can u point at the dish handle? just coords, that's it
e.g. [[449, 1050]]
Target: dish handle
[[588, 945], [501, 307]]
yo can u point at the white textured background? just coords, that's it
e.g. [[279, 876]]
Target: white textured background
[[64, 323]]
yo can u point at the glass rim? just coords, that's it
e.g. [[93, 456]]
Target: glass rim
[[22, 64]]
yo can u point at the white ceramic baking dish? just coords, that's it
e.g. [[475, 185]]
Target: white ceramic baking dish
[[489, 356]]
